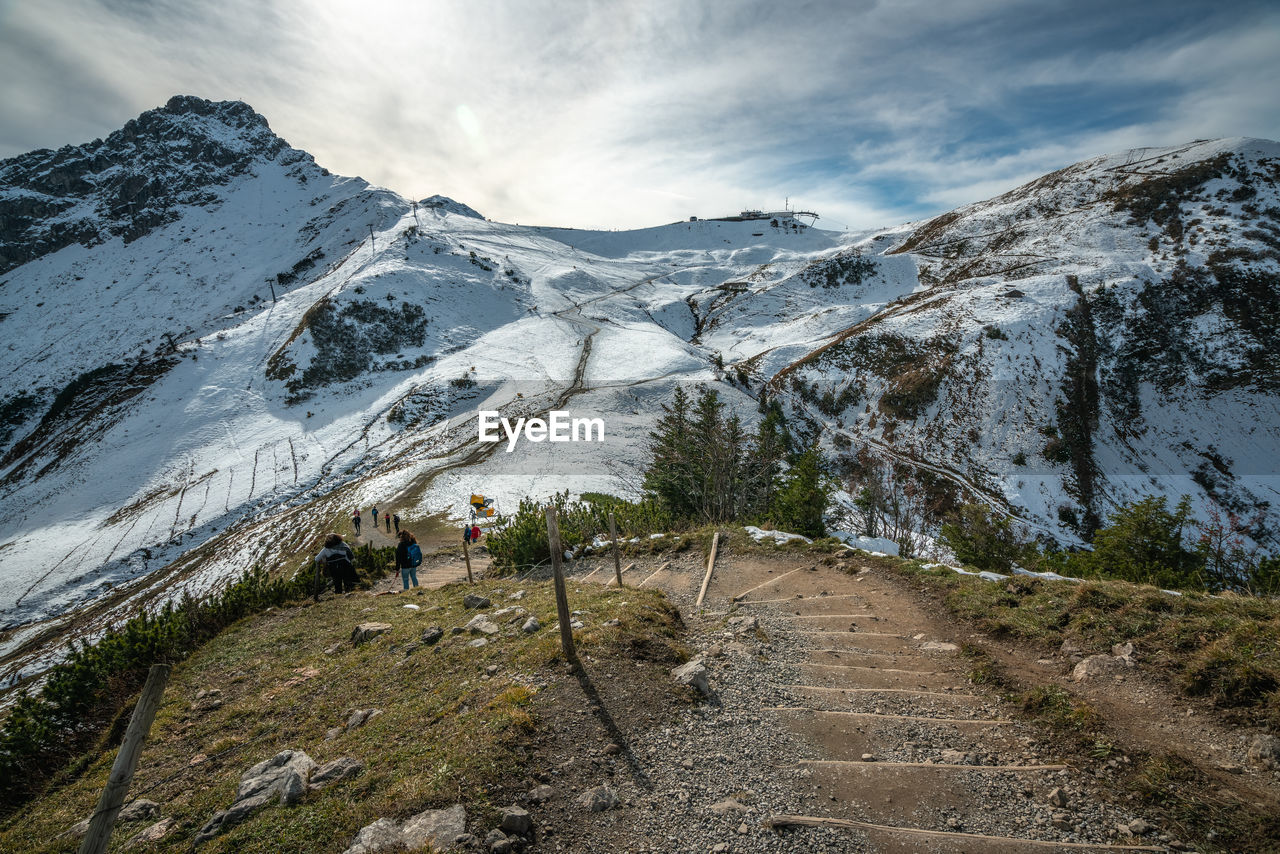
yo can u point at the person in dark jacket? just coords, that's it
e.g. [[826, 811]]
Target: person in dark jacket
[[396, 518], [374, 511], [387, 517], [405, 559], [340, 562], [355, 520]]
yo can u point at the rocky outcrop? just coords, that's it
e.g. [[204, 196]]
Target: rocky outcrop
[[281, 778]]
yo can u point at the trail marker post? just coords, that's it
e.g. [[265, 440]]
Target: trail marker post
[[613, 533], [562, 598], [466, 554], [711, 565], [104, 817]]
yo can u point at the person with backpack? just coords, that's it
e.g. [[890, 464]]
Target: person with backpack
[[374, 511], [340, 562], [408, 558], [475, 533], [466, 533], [396, 519], [387, 518], [355, 520]]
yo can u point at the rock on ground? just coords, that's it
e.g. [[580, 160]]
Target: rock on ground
[[283, 776], [368, 631], [154, 833], [341, 768], [599, 799], [693, 674], [439, 828]]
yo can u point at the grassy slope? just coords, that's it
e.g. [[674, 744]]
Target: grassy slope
[[448, 731]]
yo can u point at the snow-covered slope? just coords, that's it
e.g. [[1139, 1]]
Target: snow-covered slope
[[166, 422]]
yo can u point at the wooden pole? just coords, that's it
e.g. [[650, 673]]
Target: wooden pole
[[562, 598], [711, 564], [466, 553], [617, 564], [104, 817]]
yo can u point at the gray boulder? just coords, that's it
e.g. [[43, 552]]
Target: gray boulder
[[381, 836], [475, 602], [481, 625], [515, 820], [368, 631], [437, 827], [693, 674], [530, 626], [281, 778], [432, 635]]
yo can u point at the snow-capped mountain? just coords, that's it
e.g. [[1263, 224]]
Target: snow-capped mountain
[[214, 350]]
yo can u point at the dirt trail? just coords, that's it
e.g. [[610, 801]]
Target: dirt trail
[[891, 747]]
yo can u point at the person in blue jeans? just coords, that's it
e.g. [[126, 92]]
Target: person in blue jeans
[[408, 558]]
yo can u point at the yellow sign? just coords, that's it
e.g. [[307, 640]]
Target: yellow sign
[[477, 500]]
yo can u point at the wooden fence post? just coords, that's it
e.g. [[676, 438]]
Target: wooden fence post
[[104, 817], [711, 564], [562, 598], [466, 553], [617, 564]]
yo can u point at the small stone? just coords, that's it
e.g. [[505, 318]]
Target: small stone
[[491, 669], [599, 799], [456, 630], [1264, 752], [154, 833], [481, 625], [207, 701], [613, 622], [517, 596], [743, 625], [530, 626], [939, 646], [1093, 666], [540, 794], [478, 642], [686, 764], [1122, 650], [693, 674], [432, 635], [612, 749], [728, 805], [1057, 798], [743, 830], [721, 848], [868, 757], [342, 768], [715, 651], [474, 602], [1140, 827], [368, 631], [332, 733], [516, 820]]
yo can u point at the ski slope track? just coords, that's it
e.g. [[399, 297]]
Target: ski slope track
[[213, 349]]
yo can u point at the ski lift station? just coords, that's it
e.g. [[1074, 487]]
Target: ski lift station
[[784, 217]]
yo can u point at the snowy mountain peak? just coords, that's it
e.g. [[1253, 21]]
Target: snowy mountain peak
[[135, 179], [448, 205]]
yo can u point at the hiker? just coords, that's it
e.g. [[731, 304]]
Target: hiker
[[374, 511], [408, 559], [340, 562], [355, 520], [396, 519], [387, 517], [475, 533], [466, 534]]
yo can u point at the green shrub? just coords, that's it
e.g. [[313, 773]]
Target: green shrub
[[980, 539]]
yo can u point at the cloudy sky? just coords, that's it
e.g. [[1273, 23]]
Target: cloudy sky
[[622, 114]]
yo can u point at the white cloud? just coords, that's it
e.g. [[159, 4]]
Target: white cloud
[[630, 113]]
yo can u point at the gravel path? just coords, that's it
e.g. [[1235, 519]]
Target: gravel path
[[873, 722]]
